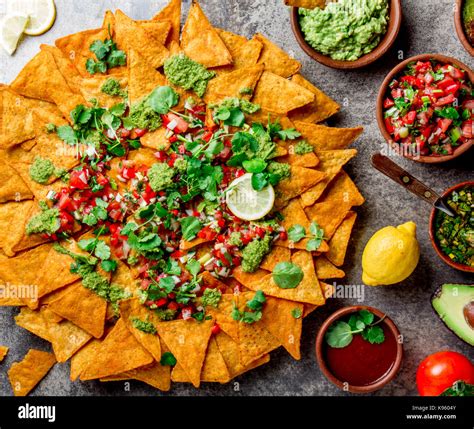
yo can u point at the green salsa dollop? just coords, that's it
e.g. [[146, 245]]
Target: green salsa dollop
[[455, 235], [347, 29]]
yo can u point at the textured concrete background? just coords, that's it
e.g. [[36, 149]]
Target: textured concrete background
[[428, 27]]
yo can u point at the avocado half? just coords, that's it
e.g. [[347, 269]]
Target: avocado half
[[454, 304]]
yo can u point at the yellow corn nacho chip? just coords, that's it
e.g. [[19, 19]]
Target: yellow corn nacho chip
[[231, 84], [172, 13], [118, 353], [82, 307], [83, 357], [283, 320], [326, 270], [155, 375], [188, 341], [25, 375], [201, 42], [223, 315], [92, 88], [331, 163], [13, 186], [343, 190], [159, 30], [306, 4], [307, 160], [130, 35], [319, 110], [246, 55], [324, 138], [277, 255], [232, 41], [275, 59], [143, 77], [280, 95], [65, 337], [340, 240], [3, 352]]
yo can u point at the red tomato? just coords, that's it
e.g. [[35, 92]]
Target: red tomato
[[441, 370], [78, 179], [387, 103], [175, 123]]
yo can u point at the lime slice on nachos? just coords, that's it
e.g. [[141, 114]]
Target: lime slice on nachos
[[245, 202], [42, 14], [11, 30]]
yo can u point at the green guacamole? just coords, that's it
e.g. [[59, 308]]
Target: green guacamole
[[144, 117], [347, 29], [112, 87], [468, 19], [143, 326], [280, 169], [46, 222], [303, 147], [41, 170], [455, 235], [211, 298], [160, 176], [188, 74], [254, 252]]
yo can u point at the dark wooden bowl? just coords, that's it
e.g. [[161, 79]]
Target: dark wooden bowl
[[384, 45], [460, 27], [383, 91], [320, 350], [445, 258]]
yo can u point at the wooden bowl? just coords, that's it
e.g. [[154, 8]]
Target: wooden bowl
[[460, 27], [445, 258], [384, 45], [384, 89], [387, 378]]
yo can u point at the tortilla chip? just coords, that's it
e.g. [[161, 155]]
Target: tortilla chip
[[214, 369], [201, 42], [25, 375], [41, 79], [340, 240], [307, 160], [280, 322], [280, 95], [293, 214], [210, 281], [76, 47], [83, 357], [245, 56], [159, 30], [13, 186], [187, 245], [343, 190], [65, 337], [326, 270], [319, 110], [108, 22], [16, 120], [130, 35], [223, 315], [231, 84], [82, 307], [306, 4], [91, 88], [155, 375], [331, 163], [328, 215], [143, 156], [301, 179], [232, 41], [324, 138], [230, 352], [3, 352], [277, 60], [277, 255], [172, 13], [118, 353], [143, 77], [131, 309], [188, 341], [308, 291]]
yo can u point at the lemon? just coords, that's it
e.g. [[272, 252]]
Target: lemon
[[245, 202], [391, 255], [42, 14], [11, 30]]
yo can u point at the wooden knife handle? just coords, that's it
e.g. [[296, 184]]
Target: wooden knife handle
[[393, 171]]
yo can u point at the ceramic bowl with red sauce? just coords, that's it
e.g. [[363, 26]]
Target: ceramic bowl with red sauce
[[360, 367]]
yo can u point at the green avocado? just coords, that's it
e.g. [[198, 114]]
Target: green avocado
[[455, 307]]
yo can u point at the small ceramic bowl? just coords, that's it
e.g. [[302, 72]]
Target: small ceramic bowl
[[460, 27], [387, 378], [445, 258], [384, 45], [383, 92]]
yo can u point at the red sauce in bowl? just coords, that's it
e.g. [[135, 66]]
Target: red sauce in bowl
[[362, 363]]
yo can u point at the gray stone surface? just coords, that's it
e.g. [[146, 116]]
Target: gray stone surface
[[428, 27]]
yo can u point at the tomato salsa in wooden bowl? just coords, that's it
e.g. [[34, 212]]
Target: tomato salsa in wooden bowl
[[359, 349]]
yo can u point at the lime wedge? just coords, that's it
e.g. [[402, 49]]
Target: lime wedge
[[245, 202], [11, 30], [42, 14]]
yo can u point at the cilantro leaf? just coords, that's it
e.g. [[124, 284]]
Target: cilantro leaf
[[168, 359], [374, 335], [162, 99], [167, 284], [102, 250], [287, 275], [288, 134], [190, 226], [296, 233], [108, 265], [194, 267], [67, 134]]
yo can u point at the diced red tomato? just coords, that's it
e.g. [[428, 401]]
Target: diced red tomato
[[175, 123], [78, 179]]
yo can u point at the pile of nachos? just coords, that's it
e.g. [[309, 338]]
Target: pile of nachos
[[123, 242]]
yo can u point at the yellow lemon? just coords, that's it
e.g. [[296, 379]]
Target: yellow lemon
[[391, 255]]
